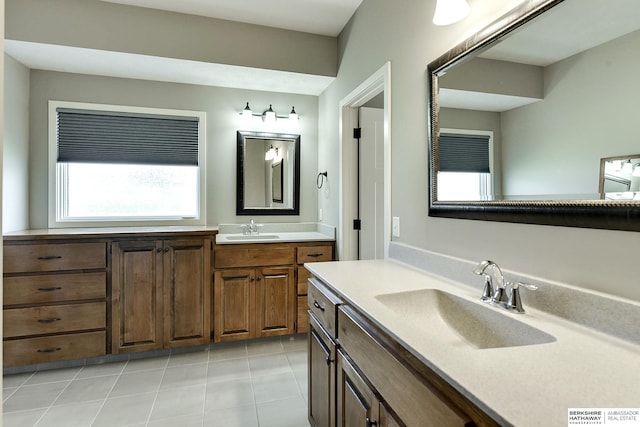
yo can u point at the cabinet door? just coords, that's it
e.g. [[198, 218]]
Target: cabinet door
[[137, 296], [357, 404], [388, 418], [275, 301], [187, 292], [322, 374], [233, 301]]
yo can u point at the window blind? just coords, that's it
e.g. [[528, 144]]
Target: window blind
[[113, 137], [463, 153]]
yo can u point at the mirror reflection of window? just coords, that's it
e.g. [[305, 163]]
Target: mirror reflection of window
[[464, 165]]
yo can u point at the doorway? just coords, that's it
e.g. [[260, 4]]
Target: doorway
[[348, 244]]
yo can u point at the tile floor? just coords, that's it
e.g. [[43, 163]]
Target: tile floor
[[260, 383]]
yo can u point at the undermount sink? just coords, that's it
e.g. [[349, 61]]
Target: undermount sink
[[253, 237], [469, 323]]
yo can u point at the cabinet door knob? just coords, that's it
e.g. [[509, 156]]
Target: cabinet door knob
[[317, 305], [371, 423], [329, 360]]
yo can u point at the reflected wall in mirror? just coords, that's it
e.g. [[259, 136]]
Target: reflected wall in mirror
[[267, 173], [555, 85]]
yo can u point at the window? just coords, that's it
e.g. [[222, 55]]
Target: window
[[112, 165], [464, 165]]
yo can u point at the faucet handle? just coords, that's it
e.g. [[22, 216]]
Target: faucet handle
[[513, 302], [516, 285]]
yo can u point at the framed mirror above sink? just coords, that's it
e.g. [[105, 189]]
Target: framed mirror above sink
[[521, 114], [267, 173]]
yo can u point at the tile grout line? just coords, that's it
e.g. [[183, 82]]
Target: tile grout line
[[104, 402]]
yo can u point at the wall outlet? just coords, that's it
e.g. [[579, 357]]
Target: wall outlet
[[320, 214], [395, 226]]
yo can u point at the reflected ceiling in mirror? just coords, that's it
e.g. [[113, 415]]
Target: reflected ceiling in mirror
[[554, 84], [268, 173]]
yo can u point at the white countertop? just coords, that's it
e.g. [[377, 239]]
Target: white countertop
[[533, 385], [303, 236], [275, 233]]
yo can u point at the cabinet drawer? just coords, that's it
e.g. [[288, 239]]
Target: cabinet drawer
[[54, 319], [323, 303], [54, 257], [314, 253], [411, 396], [256, 255], [54, 288], [55, 348], [303, 280]]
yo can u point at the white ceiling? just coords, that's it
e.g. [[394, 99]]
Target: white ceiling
[[325, 17]]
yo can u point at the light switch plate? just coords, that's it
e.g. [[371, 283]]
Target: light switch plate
[[395, 226]]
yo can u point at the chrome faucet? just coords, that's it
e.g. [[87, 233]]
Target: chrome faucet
[[251, 228], [489, 294], [506, 294]]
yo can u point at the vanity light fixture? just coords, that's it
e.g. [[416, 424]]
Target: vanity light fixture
[[627, 167], [271, 153], [269, 116], [450, 11], [293, 116], [246, 113], [636, 170]]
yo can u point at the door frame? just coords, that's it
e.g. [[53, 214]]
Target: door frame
[[378, 82]]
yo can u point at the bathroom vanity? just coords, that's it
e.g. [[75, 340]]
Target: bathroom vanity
[[88, 294], [394, 345]]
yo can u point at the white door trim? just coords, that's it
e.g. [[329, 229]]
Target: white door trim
[[380, 81]]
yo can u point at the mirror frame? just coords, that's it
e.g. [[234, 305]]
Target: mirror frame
[[601, 214], [241, 136]]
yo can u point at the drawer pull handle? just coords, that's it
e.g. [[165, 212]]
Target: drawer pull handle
[[50, 257], [49, 350], [55, 319], [57, 288], [315, 255], [371, 423], [317, 305]]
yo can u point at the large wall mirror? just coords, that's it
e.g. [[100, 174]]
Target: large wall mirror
[[267, 173], [523, 114]]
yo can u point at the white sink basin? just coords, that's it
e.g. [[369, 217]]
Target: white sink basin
[[253, 237], [465, 322]]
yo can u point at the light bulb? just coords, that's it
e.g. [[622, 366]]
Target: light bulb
[[450, 11]]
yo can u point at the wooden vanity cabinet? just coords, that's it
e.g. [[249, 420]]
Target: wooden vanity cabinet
[[358, 404], [309, 252], [322, 354], [55, 300], [161, 293], [254, 291], [402, 384]]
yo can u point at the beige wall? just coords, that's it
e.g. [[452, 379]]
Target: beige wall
[[401, 32], [119, 28], [15, 171], [222, 106]]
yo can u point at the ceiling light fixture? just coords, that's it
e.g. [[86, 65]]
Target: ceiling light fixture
[[450, 11]]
